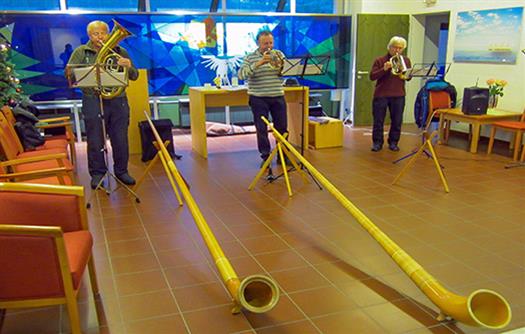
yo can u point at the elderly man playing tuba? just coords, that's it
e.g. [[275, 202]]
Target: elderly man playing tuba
[[389, 72], [116, 109]]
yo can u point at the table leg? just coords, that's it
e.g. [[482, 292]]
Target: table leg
[[441, 137], [475, 137]]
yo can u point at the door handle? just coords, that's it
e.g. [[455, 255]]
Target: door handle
[[362, 72]]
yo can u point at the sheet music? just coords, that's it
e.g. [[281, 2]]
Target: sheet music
[[87, 77]]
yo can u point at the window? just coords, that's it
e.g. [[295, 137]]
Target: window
[[190, 5], [259, 6], [31, 5], [309, 6], [103, 5]]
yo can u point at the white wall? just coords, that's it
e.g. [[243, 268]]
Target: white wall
[[461, 74]]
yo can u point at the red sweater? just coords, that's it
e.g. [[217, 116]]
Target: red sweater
[[387, 85]]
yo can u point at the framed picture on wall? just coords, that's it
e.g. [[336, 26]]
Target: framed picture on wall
[[488, 36]]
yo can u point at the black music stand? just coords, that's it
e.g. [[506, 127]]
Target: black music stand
[[99, 77], [300, 67], [425, 71]]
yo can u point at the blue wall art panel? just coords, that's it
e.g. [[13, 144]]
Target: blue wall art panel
[[179, 51]]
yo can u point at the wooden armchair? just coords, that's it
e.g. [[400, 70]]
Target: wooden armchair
[[59, 141], [54, 175], [516, 127], [43, 257], [11, 148]]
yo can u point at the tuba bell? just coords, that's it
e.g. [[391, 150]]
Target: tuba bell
[[108, 58], [399, 67]]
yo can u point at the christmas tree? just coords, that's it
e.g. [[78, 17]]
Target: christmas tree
[[10, 91]]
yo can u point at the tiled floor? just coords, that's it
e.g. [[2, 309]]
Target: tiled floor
[[157, 276]]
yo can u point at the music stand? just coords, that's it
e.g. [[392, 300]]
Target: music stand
[[300, 66], [428, 70], [98, 77]]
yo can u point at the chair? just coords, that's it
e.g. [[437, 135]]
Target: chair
[[517, 127], [51, 123], [43, 258], [57, 175], [438, 100], [9, 127], [11, 148]]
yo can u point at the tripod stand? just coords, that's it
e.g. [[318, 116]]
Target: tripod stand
[[98, 78]]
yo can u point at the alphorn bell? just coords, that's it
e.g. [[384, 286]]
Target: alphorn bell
[[482, 307], [256, 293]]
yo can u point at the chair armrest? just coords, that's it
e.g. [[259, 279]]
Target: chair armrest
[[19, 176], [54, 125], [54, 119], [53, 231], [14, 162]]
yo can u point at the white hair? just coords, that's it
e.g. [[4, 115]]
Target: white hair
[[397, 40], [93, 24]]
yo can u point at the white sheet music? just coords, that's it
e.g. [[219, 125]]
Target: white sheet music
[[87, 77]]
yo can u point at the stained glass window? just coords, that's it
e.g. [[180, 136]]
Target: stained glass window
[[30, 5], [104, 5]]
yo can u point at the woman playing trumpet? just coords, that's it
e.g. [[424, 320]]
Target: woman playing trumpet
[[390, 72], [261, 70]]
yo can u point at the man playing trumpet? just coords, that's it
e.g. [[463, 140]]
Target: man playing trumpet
[[390, 72], [261, 70]]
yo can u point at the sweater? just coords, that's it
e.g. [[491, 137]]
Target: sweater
[[387, 85], [263, 81]]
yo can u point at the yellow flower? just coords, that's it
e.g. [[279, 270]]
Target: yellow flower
[[496, 86]]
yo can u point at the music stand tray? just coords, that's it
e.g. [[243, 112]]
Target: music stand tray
[[428, 70], [307, 65], [95, 76]]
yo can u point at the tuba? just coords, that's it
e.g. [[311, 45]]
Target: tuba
[[276, 61], [399, 66], [107, 57]]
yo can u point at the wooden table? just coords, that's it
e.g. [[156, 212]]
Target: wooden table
[[476, 121], [202, 97]]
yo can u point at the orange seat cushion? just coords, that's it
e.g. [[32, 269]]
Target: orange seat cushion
[[78, 248]]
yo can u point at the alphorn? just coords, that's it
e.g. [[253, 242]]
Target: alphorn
[[256, 293], [482, 307]]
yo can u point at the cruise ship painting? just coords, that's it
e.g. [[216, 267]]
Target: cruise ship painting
[[500, 48]]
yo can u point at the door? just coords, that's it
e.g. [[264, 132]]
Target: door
[[373, 34]]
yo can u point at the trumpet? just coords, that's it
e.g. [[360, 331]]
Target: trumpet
[[399, 67], [276, 61]]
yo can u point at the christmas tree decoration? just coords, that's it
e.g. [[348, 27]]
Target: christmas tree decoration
[[10, 90]]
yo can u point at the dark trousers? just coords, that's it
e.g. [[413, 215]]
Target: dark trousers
[[395, 105], [116, 118], [265, 106]]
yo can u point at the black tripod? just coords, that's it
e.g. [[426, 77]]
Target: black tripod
[[98, 78]]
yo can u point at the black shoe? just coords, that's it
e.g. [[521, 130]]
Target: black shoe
[[393, 147], [126, 179], [95, 180], [376, 148]]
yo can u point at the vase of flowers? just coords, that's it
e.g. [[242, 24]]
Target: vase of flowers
[[495, 91]]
